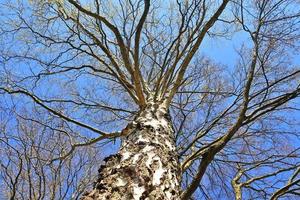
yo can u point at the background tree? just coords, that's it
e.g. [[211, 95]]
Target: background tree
[[75, 73], [28, 173]]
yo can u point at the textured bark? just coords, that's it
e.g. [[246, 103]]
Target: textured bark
[[237, 191], [146, 166]]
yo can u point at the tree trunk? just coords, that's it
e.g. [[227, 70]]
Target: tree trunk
[[146, 166], [238, 192]]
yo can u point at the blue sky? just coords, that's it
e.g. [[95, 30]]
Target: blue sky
[[223, 51]]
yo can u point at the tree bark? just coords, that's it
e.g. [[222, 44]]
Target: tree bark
[[146, 166], [237, 191]]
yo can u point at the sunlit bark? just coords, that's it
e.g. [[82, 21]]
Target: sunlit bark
[[147, 162]]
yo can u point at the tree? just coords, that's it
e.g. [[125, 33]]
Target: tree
[[27, 170], [194, 126]]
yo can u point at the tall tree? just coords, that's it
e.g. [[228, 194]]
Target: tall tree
[[194, 127]]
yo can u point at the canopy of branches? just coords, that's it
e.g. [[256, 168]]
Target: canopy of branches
[[74, 73]]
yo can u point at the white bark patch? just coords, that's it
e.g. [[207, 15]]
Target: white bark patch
[[150, 159], [171, 147], [125, 156], [156, 141], [148, 148], [141, 139], [158, 173], [168, 194], [137, 191], [164, 124], [152, 122], [173, 182], [120, 182], [135, 158]]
